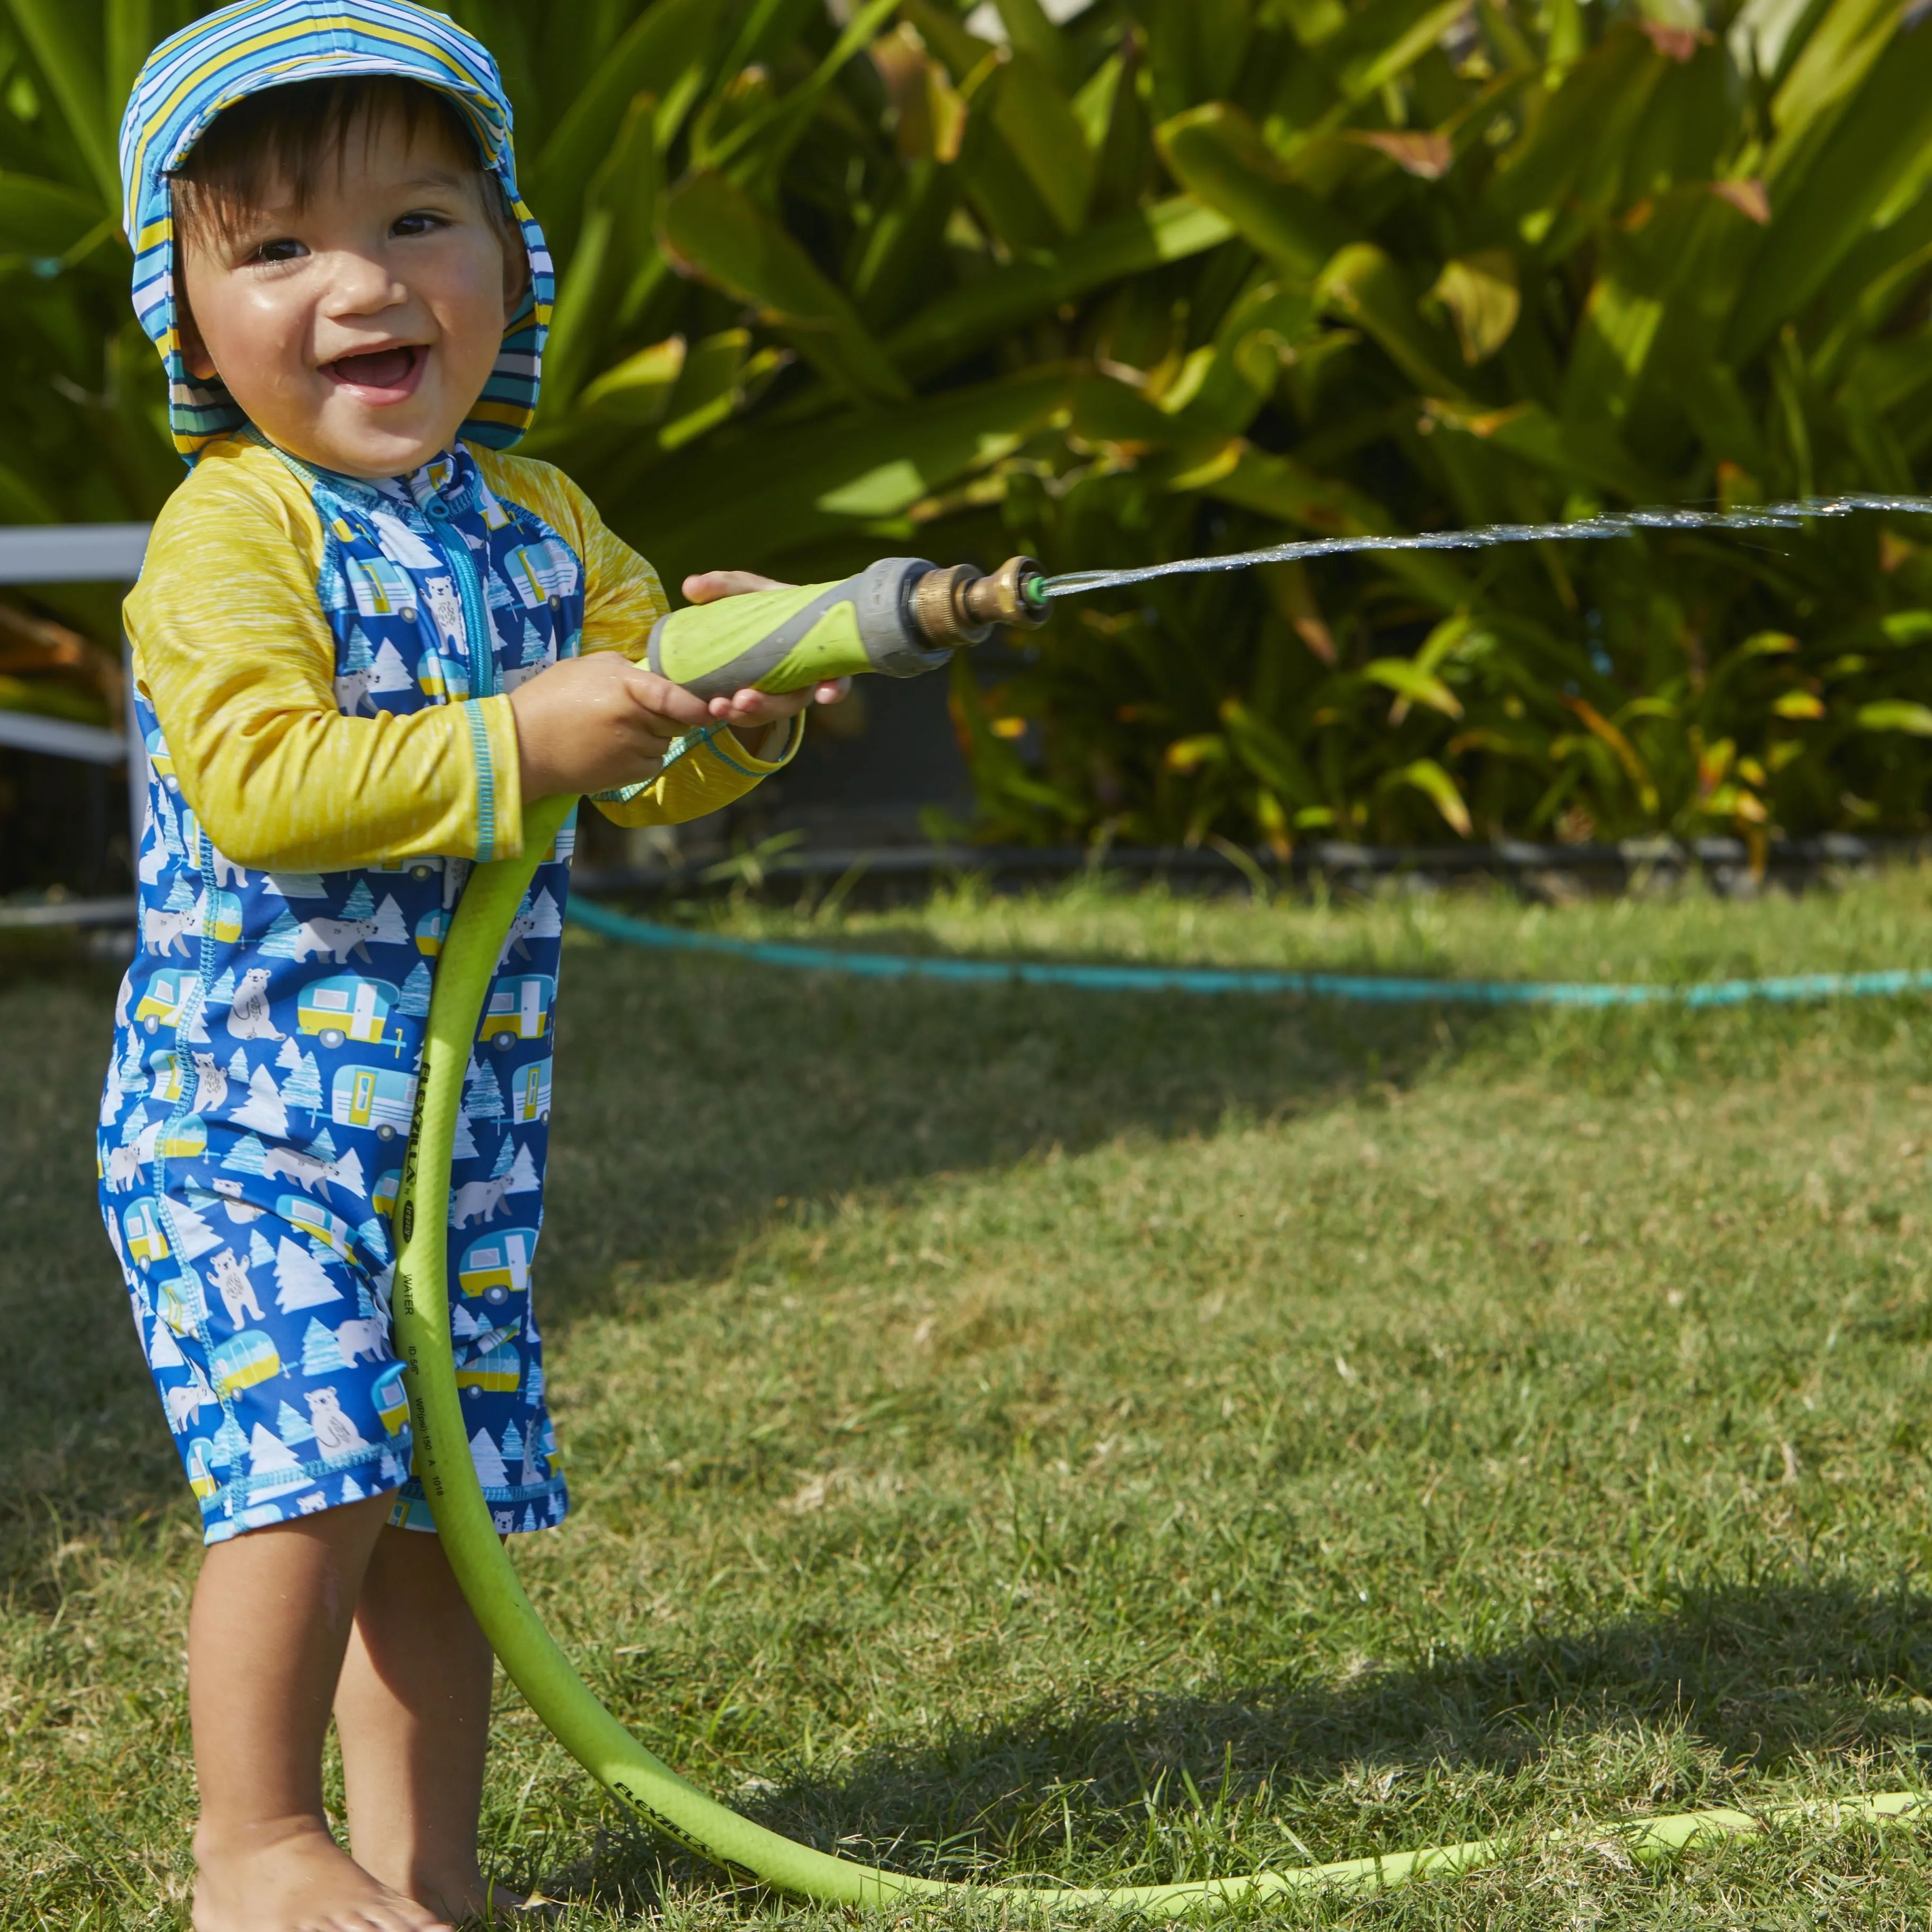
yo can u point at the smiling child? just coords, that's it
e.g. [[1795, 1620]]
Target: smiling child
[[365, 635]]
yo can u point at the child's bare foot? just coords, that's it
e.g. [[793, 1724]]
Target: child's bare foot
[[290, 1876], [482, 1902]]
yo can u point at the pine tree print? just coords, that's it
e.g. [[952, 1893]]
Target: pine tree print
[[322, 1353], [263, 1109], [247, 1156], [300, 1280], [392, 929], [482, 1093], [488, 1458], [292, 1428], [303, 1087], [414, 1003], [282, 940]]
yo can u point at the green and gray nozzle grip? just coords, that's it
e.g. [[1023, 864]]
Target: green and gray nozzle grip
[[900, 617]]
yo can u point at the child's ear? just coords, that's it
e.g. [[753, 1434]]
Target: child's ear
[[516, 275], [194, 351]]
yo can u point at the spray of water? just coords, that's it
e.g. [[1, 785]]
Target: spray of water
[[1614, 524]]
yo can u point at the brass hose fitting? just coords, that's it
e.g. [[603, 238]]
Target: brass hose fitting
[[960, 605]]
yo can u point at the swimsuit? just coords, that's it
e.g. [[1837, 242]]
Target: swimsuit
[[268, 1032]]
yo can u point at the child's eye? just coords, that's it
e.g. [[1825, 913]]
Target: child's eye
[[419, 221], [283, 248]]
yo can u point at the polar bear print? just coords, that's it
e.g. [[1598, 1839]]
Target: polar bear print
[[237, 1291], [334, 1433], [249, 1018], [210, 1083]]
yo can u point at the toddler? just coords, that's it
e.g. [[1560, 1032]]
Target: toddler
[[364, 637]]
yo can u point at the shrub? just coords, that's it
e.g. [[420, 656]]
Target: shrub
[[1188, 275]]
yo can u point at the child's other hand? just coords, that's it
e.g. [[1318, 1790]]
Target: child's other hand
[[595, 723], [753, 707]]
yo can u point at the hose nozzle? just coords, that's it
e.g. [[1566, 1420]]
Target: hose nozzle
[[961, 605]]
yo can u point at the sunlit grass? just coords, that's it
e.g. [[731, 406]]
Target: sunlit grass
[[1120, 1439]]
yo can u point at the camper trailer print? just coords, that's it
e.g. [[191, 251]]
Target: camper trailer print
[[419, 866], [529, 1093], [164, 999], [391, 1399], [382, 1097], [498, 1266], [518, 1009], [250, 1358], [498, 1370], [432, 929], [347, 1008], [147, 1239], [221, 917], [541, 572], [381, 589], [316, 1222], [200, 1460]]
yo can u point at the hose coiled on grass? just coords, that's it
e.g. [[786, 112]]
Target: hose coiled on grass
[[545, 1676]]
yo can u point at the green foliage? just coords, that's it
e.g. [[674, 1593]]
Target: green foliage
[[1186, 275]]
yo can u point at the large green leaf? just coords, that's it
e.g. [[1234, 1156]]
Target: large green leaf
[[958, 323], [723, 233], [1216, 152], [1884, 131]]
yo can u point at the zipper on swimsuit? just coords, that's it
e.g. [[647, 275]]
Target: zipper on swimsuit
[[478, 633]]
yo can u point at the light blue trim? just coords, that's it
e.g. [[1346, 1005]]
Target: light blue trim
[[486, 781], [479, 637], [1361, 990], [795, 737]]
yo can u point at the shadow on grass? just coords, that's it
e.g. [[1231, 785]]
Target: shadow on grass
[[1737, 1679], [692, 1097], [695, 1096]]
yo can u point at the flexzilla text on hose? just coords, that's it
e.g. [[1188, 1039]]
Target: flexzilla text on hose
[[545, 1676]]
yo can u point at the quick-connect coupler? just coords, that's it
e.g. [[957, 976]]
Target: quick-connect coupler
[[900, 617]]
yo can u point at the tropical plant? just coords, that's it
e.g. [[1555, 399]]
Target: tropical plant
[[1182, 275]]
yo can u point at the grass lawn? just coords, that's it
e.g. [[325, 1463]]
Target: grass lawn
[[1123, 1439]]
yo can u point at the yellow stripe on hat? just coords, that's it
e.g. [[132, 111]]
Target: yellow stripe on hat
[[511, 415], [232, 56]]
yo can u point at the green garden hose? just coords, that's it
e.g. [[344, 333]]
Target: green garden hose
[[544, 1675]]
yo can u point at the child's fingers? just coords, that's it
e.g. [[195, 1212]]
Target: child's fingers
[[753, 706], [708, 586], [659, 695]]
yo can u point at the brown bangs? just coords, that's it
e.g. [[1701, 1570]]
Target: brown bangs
[[281, 140]]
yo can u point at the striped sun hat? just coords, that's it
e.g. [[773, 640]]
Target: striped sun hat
[[241, 50]]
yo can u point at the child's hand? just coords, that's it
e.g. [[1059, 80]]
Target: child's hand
[[751, 707], [593, 724]]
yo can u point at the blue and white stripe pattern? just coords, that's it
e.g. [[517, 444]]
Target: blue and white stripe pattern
[[242, 50]]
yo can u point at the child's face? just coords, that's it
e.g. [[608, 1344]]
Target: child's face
[[356, 332]]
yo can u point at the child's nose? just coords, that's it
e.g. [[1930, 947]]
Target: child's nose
[[359, 285]]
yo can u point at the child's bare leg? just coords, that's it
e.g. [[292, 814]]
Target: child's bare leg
[[273, 1610], [413, 1712]]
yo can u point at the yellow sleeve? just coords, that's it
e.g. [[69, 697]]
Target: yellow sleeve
[[232, 649], [622, 598]]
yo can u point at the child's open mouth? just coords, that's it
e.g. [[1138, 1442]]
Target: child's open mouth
[[380, 375]]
